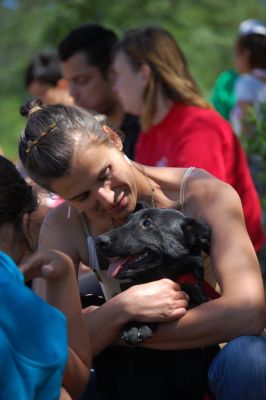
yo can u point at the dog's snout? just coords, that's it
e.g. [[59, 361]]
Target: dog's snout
[[102, 241]]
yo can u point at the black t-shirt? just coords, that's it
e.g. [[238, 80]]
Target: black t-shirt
[[131, 128]]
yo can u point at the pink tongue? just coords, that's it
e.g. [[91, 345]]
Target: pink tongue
[[115, 266]]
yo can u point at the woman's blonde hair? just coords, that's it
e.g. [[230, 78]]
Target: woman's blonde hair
[[157, 48]]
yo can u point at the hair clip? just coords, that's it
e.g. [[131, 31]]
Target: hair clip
[[34, 142]]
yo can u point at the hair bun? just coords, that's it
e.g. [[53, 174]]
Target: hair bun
[[25, 110]]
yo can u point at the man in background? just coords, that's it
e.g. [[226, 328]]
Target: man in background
[[86, 56]]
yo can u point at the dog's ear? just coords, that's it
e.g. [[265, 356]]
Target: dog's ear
[[141, 205], [197, 235]]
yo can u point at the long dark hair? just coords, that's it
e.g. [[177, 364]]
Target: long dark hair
[[16, 196]]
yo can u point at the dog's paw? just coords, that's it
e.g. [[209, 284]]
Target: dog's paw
[[134, 336]]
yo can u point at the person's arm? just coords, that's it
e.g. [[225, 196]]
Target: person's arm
[[62, 292], [64, 395], [246, 95], [158, 301], [241, 308]]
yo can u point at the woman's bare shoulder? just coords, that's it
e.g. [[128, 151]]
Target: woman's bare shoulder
[[62, 229], [209, 197]]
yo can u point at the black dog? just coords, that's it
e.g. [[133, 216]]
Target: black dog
[[153, 244]]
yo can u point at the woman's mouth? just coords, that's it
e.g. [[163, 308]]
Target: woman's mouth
[[120, 204]]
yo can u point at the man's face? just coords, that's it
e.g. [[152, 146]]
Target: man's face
[[89, 88]]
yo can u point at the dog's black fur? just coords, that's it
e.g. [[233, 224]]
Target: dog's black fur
[[161, 243], [157, 243]]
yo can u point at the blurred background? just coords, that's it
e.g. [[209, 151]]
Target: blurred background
[[205, 29]]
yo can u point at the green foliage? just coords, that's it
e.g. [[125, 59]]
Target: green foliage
[[254, 143], [11, 125], [205, 30]]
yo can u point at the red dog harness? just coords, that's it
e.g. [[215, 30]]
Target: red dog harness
[[209, 290]]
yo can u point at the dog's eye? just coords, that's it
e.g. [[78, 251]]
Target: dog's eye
[[147, 222]]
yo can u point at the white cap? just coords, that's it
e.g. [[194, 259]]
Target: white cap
[[250, 26]]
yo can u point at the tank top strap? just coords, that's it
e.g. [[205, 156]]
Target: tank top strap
[[183, 186], [93, 259], [110, 286]]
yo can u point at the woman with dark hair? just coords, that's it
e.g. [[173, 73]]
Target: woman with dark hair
[[33, 335], [66, 150]]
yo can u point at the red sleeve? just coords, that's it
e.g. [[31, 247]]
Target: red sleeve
[[202, 144]]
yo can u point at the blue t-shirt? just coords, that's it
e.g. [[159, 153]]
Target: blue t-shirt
[[33, 340]]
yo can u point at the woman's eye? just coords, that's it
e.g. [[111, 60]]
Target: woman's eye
[[84, 196], [106, 175], [147, 222]]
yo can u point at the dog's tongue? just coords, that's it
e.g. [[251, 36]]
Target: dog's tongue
[[115, 266]]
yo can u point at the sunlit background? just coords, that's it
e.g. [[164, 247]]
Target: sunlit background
[[205, 29]]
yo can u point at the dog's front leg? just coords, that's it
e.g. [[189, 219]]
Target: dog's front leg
[[135, 333]]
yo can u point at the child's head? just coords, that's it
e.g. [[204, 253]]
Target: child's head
[[250, 47], [43, 78]]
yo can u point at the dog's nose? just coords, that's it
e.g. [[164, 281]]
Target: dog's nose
[[102, 241]]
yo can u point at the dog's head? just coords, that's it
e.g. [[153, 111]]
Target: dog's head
[[152, 238]]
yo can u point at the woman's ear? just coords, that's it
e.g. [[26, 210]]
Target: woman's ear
[[7, 237], [62, 84], [145, 73], [113, 137], [25, 222], [31, 225], [26, 225]]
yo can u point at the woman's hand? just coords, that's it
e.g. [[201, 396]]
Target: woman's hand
[[158, 301], [50, 265]]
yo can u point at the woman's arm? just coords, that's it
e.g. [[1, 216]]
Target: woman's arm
[[159, 301], [152, 302], [241, 308]]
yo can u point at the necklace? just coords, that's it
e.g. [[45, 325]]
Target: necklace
[[152, 189], [114, 223]]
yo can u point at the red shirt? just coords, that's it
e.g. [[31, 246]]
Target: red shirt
[[200, 137]]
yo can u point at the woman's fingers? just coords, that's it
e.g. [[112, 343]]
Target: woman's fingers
[[159, 301], [49, 265]]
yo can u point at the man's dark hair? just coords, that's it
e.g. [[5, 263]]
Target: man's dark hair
[[93, 40], [45, 68]]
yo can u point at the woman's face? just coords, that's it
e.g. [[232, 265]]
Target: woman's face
[[100, 182], [129, 84]]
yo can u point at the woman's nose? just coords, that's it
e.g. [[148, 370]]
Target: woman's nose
[[105, 197]]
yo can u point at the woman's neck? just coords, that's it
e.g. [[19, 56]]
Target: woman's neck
[[163, 106]]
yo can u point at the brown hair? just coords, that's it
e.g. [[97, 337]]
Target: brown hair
[[157, 48]]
